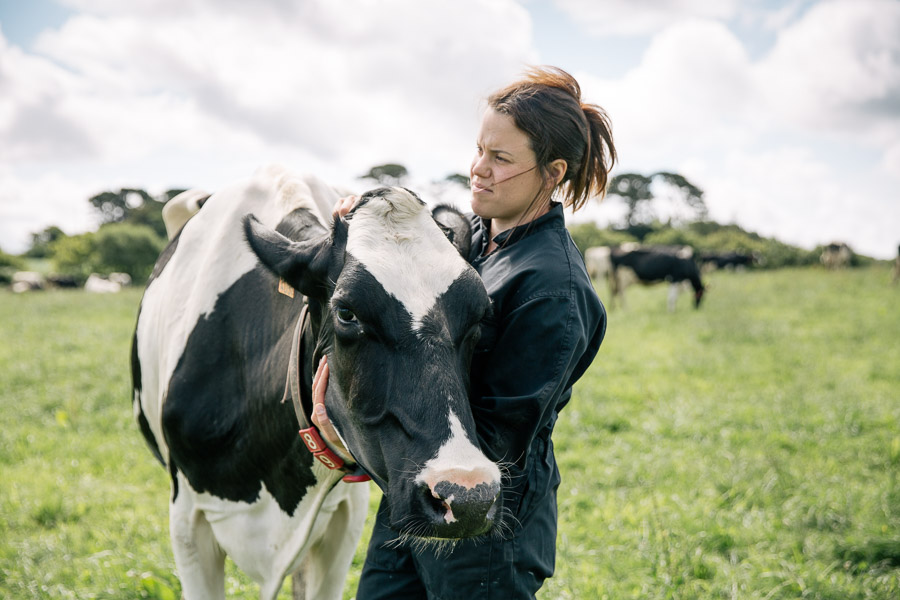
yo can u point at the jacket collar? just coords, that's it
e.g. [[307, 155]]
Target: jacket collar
[[552, 219]]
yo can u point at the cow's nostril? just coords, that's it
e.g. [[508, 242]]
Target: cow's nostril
[[443, 506], [471, 508]]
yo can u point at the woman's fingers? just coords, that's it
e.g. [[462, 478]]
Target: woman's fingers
[[320, 415], [344, 205]]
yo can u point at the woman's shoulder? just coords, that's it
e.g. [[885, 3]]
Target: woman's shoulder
[[551, 264]]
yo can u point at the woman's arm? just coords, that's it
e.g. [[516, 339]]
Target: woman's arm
[[542, 348]]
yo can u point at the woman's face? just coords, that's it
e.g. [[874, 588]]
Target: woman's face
[[504, 174]]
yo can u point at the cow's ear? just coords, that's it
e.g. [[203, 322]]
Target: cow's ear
[[304, 265], [456, 226]]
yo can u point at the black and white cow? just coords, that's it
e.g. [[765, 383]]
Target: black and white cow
[[395, 309], [649, 265], [727, 260]]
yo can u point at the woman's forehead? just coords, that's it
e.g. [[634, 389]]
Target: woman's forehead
[[499, 132]]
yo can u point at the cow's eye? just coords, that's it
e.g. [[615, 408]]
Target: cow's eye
[[346, 316]]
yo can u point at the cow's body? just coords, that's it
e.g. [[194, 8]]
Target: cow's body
[[598, 262], [648, 265], [895, 275], [836, 255], [211, 355], [727, 260]]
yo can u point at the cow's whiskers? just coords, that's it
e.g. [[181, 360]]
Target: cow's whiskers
[[439, 546]]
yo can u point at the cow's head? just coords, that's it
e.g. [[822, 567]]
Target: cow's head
[[397, 311], [698, 295]]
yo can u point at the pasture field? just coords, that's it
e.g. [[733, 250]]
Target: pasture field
[[748, 450]]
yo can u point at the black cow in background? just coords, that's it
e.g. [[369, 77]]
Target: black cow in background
[[650, 265], [727, 260]]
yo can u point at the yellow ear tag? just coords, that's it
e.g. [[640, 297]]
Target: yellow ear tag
[[285, 288]]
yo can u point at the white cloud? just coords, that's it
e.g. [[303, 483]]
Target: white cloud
[[30, 205], [692, 91], [317, 75], [838, 68], [768, 139], [625, 17], [144, 91]]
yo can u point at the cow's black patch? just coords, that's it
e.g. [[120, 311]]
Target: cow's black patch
[[137, 386], [224, 421]]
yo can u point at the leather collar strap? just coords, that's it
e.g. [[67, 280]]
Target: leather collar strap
[[308, 432]]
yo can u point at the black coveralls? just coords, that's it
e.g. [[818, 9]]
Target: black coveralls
[[546, 328]]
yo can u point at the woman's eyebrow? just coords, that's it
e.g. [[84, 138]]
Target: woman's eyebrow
[[498, 151]]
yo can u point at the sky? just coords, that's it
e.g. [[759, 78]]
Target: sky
[[786, 114]]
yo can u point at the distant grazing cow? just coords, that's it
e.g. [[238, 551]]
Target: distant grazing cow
[[726, 260], [836, 255], [221, 343], [178, 210], [652, 265], [62, 281], [895, 277], [598, 262], [111, 284], [27, 281]]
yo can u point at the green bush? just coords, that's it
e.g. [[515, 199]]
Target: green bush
[[588, 235], [9, 264], [75, 255], [708, 236], [126, 248], [118, 247], [671, 236]]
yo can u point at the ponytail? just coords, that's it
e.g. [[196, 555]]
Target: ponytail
[[599, 157]]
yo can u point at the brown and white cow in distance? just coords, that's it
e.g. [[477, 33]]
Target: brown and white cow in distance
[[396, 310]]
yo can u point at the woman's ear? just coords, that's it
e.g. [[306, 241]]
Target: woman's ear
[[556, 170]]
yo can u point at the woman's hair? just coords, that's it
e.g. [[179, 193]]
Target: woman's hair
[[546, 105]]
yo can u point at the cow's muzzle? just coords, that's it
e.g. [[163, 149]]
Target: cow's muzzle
[[449, 509]]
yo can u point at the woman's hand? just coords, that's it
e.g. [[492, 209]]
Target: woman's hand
[[320, 415], [343, 205]]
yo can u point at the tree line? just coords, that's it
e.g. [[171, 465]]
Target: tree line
[[132, 233]]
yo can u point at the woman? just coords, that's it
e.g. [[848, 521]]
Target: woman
[[538, 149]]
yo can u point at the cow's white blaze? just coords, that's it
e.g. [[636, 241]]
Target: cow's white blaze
[[398, 242], [458, 461]]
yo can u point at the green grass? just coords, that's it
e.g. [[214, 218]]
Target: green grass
[[748, 450]]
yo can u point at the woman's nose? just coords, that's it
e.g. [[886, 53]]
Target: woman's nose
[[480, 168]]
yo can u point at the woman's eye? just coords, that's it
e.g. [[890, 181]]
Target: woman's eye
[[345, 315]]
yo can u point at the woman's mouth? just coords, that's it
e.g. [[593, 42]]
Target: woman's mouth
[[476, 188]]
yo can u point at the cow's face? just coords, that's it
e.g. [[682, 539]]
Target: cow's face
[[397, 310]]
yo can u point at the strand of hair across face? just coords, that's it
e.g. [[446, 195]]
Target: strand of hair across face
[[514, 176]]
